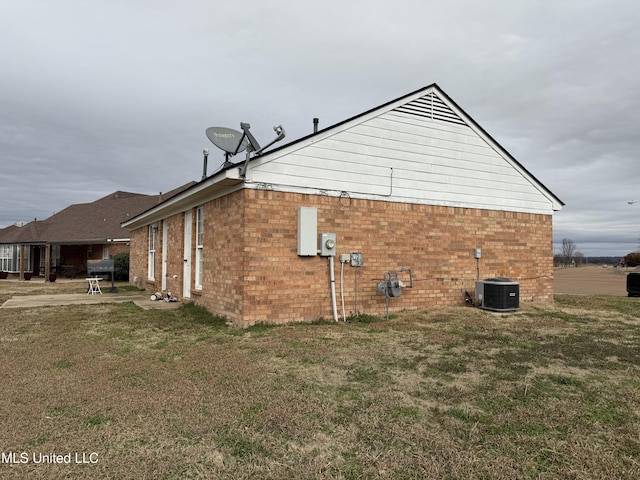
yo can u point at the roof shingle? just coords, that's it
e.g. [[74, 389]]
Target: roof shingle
[[93, 222]]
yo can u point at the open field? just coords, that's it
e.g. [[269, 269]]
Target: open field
[[591, 280], [551, 392]]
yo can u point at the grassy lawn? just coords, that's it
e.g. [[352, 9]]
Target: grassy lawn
[[552, 391]]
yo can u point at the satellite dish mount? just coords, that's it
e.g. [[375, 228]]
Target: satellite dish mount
[[254, 146], [233, 142]]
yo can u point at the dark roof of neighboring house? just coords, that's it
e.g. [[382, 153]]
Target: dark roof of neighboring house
[[15, 234], [93, 222]]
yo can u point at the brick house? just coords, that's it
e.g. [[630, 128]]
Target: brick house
[[413, 184], [71, 237]]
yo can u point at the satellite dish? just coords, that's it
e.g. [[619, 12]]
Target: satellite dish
[[227, 139]]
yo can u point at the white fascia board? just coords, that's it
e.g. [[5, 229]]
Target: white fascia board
[[220, 184]]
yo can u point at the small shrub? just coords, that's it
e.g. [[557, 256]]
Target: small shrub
[[121, 266]]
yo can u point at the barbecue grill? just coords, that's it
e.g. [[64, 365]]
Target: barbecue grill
[[101, 267]]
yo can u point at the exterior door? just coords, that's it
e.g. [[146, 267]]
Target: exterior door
[[165, 244], [186, 277]]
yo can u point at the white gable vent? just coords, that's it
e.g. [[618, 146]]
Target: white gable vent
[[431, 106]]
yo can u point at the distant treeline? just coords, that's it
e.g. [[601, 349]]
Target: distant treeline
[[581, 260], [607, 260]]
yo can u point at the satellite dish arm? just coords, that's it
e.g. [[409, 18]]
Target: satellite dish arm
[[281, 134], [255, 147]]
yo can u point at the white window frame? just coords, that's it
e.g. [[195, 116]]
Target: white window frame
[[7, 263], [10, 258], [199, 246], [153, 239]]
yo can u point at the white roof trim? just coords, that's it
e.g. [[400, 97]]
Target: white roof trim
[[212, 187]]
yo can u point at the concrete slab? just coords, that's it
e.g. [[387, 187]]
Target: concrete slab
[[140, 299]]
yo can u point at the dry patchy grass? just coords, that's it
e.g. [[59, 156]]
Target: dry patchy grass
[[549, 392]]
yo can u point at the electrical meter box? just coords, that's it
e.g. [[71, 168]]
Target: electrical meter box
[[327, 244]]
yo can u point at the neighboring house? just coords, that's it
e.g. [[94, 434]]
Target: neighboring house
[[80, 232], [413, 184]]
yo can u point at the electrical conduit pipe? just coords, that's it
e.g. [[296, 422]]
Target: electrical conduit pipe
[[333, 289]]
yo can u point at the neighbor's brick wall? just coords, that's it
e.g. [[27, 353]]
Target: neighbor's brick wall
[[116, 248]]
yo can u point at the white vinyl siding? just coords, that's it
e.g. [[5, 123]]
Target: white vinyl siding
[[408, 157]]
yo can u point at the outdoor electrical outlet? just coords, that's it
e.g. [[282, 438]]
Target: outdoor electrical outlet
[[345, 257], [356, 259]]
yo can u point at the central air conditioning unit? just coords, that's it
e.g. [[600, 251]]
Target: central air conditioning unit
[[633, 284], [498, 294]]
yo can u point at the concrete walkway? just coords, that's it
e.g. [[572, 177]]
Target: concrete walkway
[[140, 299]]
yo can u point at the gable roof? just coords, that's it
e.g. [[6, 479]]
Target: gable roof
[[85, 223], [428, 107]]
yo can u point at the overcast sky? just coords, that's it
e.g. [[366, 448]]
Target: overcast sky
[[105, 95]]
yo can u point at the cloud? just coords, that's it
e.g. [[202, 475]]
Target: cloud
[[105, 96]]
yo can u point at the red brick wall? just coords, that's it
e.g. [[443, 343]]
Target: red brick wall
[[225, 256], [116, 248], [253, 274], [175, 254], [138, 256], [437, 243]]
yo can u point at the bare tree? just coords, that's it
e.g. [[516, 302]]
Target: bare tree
[[568, 250]]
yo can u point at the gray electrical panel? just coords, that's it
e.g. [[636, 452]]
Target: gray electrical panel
[[307, 231]]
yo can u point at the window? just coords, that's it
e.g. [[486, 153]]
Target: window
[[153, 232], [199, 246], [10, 258], [6, 258], [27, 258], [55, 255]]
